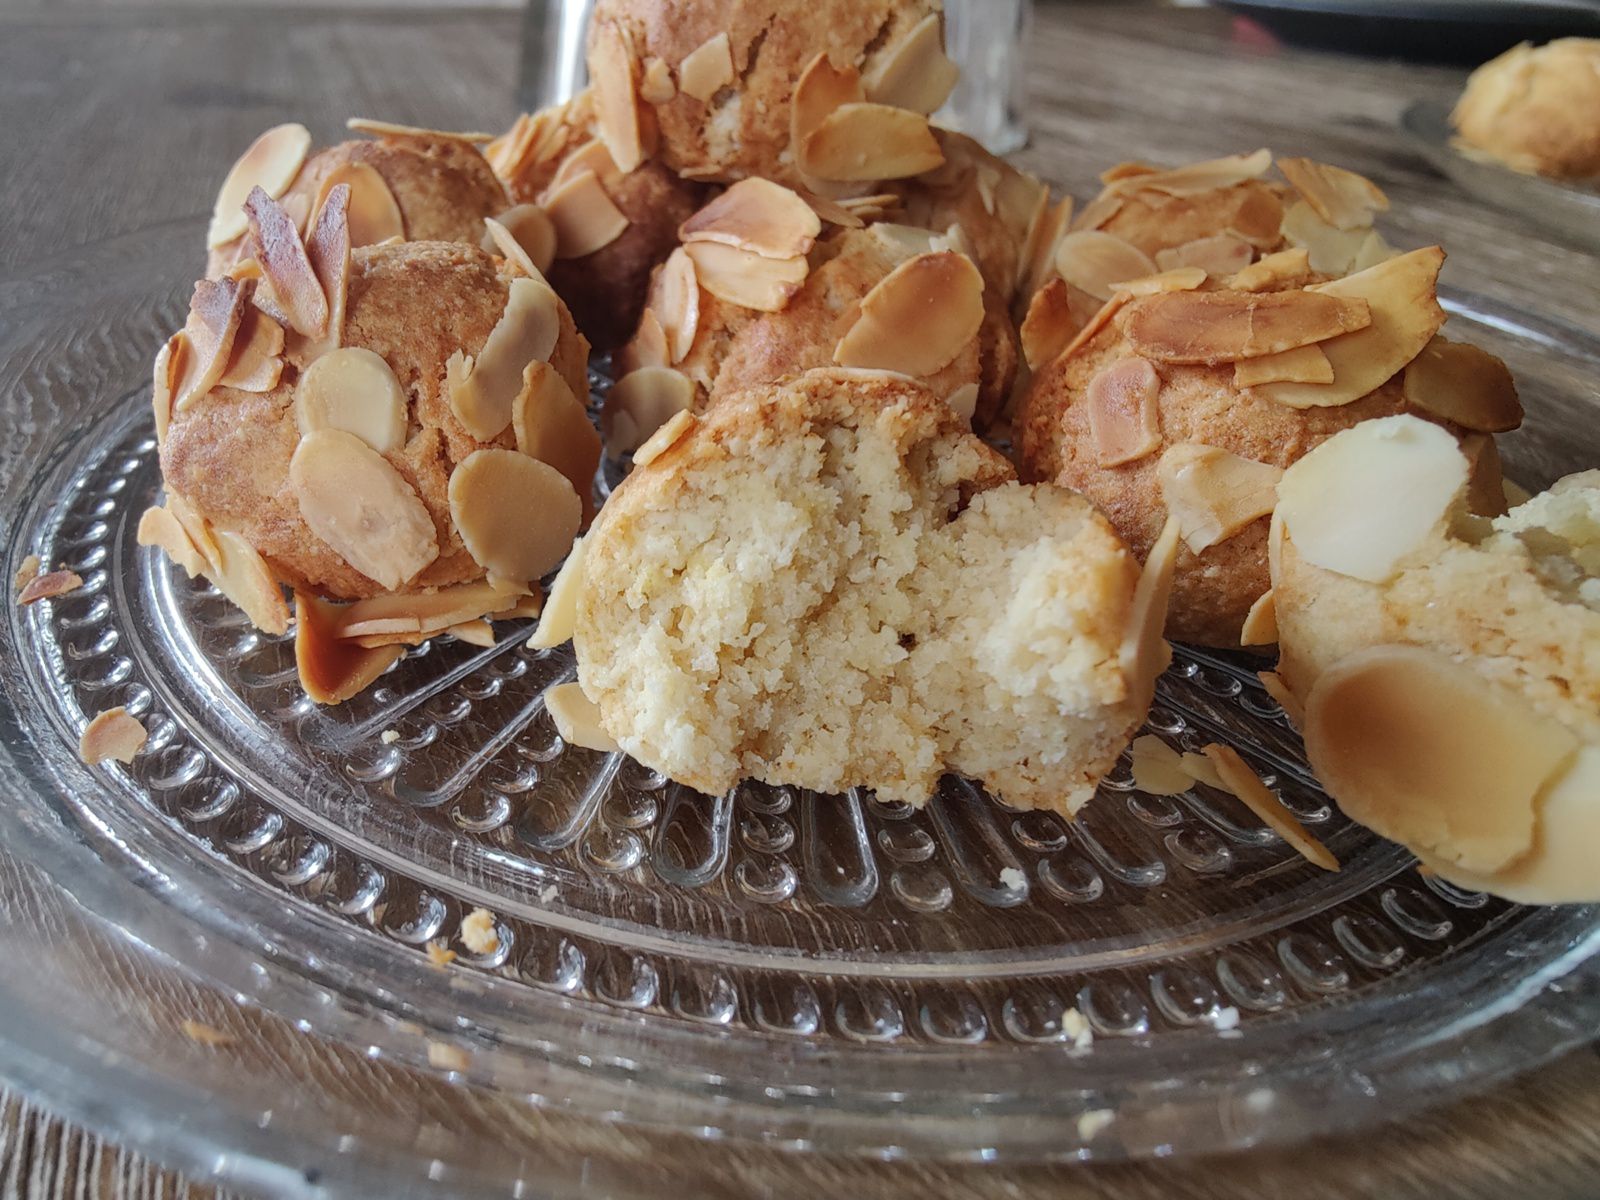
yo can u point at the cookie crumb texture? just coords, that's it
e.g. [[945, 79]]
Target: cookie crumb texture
[[832, 584]]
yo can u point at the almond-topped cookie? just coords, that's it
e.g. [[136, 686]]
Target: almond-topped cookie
[[1536, 109]]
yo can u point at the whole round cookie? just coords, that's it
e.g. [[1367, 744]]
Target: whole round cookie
[[1536, 109], [831, 583]]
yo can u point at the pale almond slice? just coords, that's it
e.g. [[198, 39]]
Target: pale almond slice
[[820, 89], [474, 633], [1333, 251], [1044, 239], [918, 318], [1427, 752], [497, 239], [256, 363], [28, 571], [383, 129], [1374, 250], [271, 163], [374, 215], [1097, 212], [48, 586], [277, 246], [1179, 279], [757, 215], [197, 527], [1214, 493], [483, 392], [577, 718], [1463, 384], [870, 208], [1093, 261], [1221, 255], [1258, 219], [585, 217], [859, 143], [649, 345], [1275, 687], [1096, 324], [242, 575], [915, 72], [707, 69], [591, 156], [1303, 364], [640, 403], [655, 84], [675, 303], [672, 431], [963, 401], [356, 502], [1022, 202], [1261, 622], [830, 210], [1272, 270], [1124, 420], [1244, 783], [559, 620], [159, 528], [1126, 170], [1195, 178], [1144, 653], [1157, 767], [531, 229], [1367, 498], [526, 608], [165, 374], [216, 310], [354, 390], [422, 613], [1213, 327], [516, 516], [507, 153], [1342, 198], [616, 107], [113, 734], [1202, 770], [1401, 294], [333, 669], [1049, 325], [745, 279], [552, 425]]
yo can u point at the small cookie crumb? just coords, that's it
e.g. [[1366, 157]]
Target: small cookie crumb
[[1094, 1121], [448, 1058], [389, 737], [1011, 877], [112, 734], [26, 572], [547, 893], [206, 1035], [440, 955], [477, 932], [1074, 1024]]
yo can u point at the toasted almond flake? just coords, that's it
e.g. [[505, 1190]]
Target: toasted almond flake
[[1342, 198], [1179, 279], [1258, 219], [918, 318], [1045, 232], [1463, 384], [858, 143], [1214, 493], [242, 575], [1303, 364], [1374, 250], [333, 669], [832, 211], [277, 246], [963, 401], [354, 390], [530, 230], [1486, 483], [649, 345], [27, 572], [675, 302], [1333, 251], [271, 163], [577, 718], [1144, 653], [591, 156], [640, 403], [423, 613], [1259, 799], [1124, 420], [1213, 327], [356, 502], [1093, 261], [559, 619], [1261, 622], [1097, 212], [516, 516], [1221, 255], [905, 241], [390, 129], [820, 89], [707, 69], [656, 85], [1022, 202], [205, 1035], [745, 279], [215, 312], [1367, 498], [1286, 266], [1405, 315], [1203, 770], [439, 956], [1157, 767], [1275, 687], [665, 438], [1098, 322], [757, 215], [374, 216], [915, 72], [1196, 178], [483, 392], [256, 361], [168, 369], [159, 528], [526, 608], [552, 425], [497, 239], [197, 527], [1126, 170], [474, 633], [870, 208], [616, 108], [1048, 326], [48, 586], [585, 217], [113, 734]]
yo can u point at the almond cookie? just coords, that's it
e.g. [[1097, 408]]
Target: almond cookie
[[1536, 109]]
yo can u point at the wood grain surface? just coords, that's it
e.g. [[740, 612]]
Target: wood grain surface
[[115, 117]]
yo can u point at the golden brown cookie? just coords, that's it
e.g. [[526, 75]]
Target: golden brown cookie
[[1536, 109]]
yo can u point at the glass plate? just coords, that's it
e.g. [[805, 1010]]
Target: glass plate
[[805, 973], [1567, 209]]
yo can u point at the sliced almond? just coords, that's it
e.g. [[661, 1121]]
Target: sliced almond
[[1094, 261], [649, 345], [1427, 752], [591, 156], [333, 669], [1244, 783], [655, 84], [559, 619], [277, 246], [669, 435], [516, 516], [422, 613], [759, 216], [215, 312], [1333, 251], [745, 279], [867, 142], [271, 163], [832, 211], [1401, 295], [1213, 492], [870, 208], [1368, 497], [1342, 198], [242, 575], [675, 303], [1126, 170], [640, 403], [354, 390], [114, 734], [1195, 178], [1157, 767], [1144, 653], [918, 318], [374, 215], [820, 89], [1275, 687], [1213, 327], [168, 369], [356, 502], [474, 633], [1202, 770], [553, 426], [1463, 384], [963, 401], [536, 246], [1098, 212], [526, 608], [707, 69], [1049, 325], [585, 217], [391, 129], [159, 528], [915, 72], [1284, 267], [616, 106], [1124, 421], [1179, 279], [256, 361], [577, 719], [1258, 218], [1303, 364], [1221, 255], [197, 527], [1261, 622], [28, 571], [48, 586], [1374, 250], [1044, 239], [1098, 322], [484, 391]]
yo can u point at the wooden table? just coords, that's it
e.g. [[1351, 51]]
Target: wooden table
[[118, 114]]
